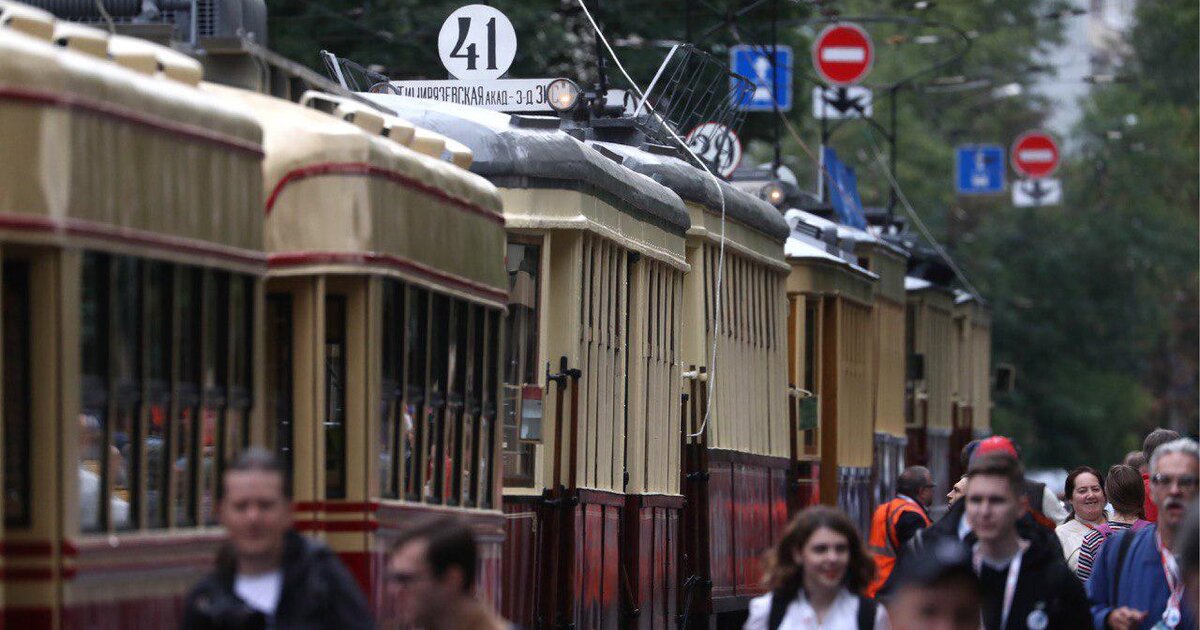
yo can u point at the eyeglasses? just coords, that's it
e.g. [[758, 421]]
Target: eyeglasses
[[1185, 482], [404, 580]]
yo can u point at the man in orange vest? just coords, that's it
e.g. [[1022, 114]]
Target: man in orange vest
[[895, 522]]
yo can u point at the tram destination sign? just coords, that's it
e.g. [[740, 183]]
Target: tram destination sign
[[502, 95]]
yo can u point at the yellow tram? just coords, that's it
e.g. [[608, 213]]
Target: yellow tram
[[832, 341], [596, 262], [131, 246], [932, 349], [972, 404], [737, 472], [384, 306]]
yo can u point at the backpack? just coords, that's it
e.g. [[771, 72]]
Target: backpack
[[782, 598]]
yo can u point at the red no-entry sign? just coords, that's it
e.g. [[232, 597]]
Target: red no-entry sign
[[1035, 154], [842, 54]]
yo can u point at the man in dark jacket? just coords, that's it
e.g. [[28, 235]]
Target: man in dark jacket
[[269, 577], [1025, 582]]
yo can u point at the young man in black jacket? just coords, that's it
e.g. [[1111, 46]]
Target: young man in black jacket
[[268, 577], [1025, 582]]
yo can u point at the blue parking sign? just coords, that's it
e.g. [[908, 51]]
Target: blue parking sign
[[979, 169], [770, 81]]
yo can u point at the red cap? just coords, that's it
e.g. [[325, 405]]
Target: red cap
[[997, 444]]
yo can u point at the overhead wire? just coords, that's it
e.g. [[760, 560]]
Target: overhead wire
[[712, 375]]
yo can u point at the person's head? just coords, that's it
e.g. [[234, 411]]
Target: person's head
[[1155, 439], [1136, 460], [937, 590], [957, 490], [255, 505], [1125, 491], [916, 482], [994, 496], [431, 566], [996, 444], [964, 456], [1085, 493], [1173, 470], [820, 548]]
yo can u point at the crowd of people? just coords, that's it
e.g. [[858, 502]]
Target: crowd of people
[[1007, 554]]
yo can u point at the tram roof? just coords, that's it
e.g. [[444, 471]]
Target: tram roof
[[695, 185], [531, 152], [852, 234]]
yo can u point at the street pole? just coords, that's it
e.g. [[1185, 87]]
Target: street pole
[[892, 93], [775, 86]]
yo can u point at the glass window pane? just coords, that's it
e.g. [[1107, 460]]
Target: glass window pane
[[157, 340], [416, 326], [93, 411], [520, 357], [126, 347], [335, 397], [435, 440], [390, 390], [279, 376], [216, 369], [184, 427], [16, 392], [487, 417]]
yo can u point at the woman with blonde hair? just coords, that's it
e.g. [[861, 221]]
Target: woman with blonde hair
[[816, 575]]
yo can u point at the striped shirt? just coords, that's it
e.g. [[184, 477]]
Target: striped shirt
[[1092, 542]]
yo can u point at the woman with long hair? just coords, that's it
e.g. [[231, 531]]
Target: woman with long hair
[[1123, 486], [1085, 495], [816, 575]]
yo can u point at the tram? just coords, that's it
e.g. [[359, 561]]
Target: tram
[[736, 465], [596, 262], [384, 306], [133, 267]]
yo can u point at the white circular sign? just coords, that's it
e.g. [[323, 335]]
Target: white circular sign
[[718, 145], [477, 43]]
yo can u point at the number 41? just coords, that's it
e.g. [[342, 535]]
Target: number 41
[[464, 29]]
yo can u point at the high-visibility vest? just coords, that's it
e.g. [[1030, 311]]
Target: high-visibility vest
[[883, 543]]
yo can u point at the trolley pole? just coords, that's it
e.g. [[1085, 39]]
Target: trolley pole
[[775, 86]]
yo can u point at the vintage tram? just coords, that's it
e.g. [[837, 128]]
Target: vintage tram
[[131, 245]]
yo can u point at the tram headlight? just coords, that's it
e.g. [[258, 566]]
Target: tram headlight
[[774, 193], [562, 94]]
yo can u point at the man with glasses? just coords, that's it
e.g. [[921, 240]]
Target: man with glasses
[[431, 578], [1137, 582], [896, 521]]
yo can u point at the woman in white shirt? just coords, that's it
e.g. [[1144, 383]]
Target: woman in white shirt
[[1086, 496], [816, 575]]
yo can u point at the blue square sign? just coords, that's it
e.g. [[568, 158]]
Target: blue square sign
[[769, 81], [979, 169]]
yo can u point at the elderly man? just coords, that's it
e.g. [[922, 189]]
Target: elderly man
[[1137, 582], [895, 522]]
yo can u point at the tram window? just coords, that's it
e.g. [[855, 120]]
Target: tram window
[[158, 344], [279, 379], [416, 327], [455, 416], [16, 394], [335, 397], [240, 348], [122, 448], [435, 440], [215, 358], [390, 390], [487, 417], [522, 395], [473, 410], [93, 411], [188, 293]]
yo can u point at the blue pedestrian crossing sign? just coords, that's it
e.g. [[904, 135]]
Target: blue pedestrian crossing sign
[[979, 169], [769, 81]]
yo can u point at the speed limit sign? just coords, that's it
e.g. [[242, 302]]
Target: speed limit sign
[[477, 43]]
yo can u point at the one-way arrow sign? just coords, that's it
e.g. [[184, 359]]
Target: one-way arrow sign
[[1030, 193], [841, 102]]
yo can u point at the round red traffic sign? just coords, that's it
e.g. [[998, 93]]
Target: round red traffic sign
[[1035, 154], [842, 54]]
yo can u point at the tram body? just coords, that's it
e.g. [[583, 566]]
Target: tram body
[[737, 471], [596, 262], [971, 413], [832, 342], [131, 246], [384, 307], [932, 347]]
